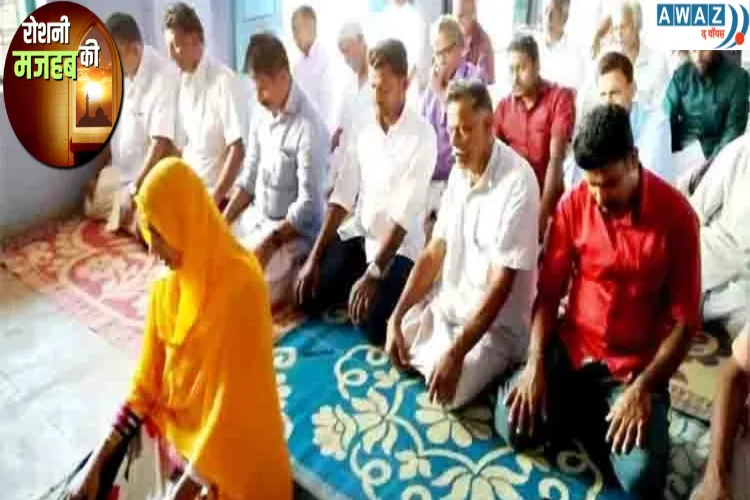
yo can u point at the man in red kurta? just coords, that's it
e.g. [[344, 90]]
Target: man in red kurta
[[624, 245], [537, 121]]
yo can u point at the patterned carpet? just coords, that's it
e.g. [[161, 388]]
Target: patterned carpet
[[99, 279], [356, 427]]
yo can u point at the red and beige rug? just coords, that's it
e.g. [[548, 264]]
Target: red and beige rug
[[102, 280], [99, 278]]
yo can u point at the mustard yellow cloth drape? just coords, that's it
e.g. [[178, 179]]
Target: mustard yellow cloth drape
[[205, 376]]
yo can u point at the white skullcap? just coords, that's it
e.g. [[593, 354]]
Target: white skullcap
[[350, 30]]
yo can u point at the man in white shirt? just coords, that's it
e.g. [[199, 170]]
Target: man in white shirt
[[145, 131], [650, 126], [278, 201], [400, 20], [561, 60], [383, 184], [358, 106], [314, 70], [212, 113], [723, 206], [620, 31], [464, 315]]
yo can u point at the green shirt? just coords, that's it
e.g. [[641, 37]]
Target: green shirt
[[712, 109]]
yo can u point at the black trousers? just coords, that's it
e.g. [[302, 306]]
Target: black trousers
[[343, 263]]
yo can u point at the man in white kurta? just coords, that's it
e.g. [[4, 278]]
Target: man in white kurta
[[402, 21], [561, 60], [145, 130], [464, 315], [358, 104], [212, 105], [373, 228], [314, 70], [212, 119], [621, 31], [722, 203]]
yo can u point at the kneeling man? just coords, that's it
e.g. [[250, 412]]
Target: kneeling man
[[465, 312], [144, 134], [723, 207], [624, 246], [277, 207], [365, 261]]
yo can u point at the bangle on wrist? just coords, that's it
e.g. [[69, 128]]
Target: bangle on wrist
[[127, 423]]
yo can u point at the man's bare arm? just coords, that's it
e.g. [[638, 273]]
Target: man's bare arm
[[158, 149], [233, 158]]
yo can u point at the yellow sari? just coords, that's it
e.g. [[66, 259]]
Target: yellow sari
[[205, 377]]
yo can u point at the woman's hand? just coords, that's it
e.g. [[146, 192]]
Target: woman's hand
[[88, 489], [186, 489], [87, 483]]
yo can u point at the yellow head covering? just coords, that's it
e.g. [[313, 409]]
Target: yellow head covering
[[205, 375], [174, 201]]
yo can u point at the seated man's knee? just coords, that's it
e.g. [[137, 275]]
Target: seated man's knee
[[642, 473], [375, 327], [310, 307], [479, 369], [505, 428], [464, 395]]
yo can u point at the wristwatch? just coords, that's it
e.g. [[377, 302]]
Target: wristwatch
[[374, 271]]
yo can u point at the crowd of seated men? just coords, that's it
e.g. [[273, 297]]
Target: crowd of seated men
[[452, 228]]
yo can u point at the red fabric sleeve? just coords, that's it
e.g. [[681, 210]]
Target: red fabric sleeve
[[498, 123], [564, 114], [684, 274], [558, 257]]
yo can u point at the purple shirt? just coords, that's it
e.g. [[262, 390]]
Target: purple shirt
[[479, 52], [433, 110]]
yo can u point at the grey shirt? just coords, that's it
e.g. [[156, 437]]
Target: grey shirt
[[286, 163]]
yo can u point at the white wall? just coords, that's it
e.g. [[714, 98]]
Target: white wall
[[31, 192]]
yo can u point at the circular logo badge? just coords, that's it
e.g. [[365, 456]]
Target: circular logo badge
[[63, 84]]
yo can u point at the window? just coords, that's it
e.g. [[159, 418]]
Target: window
[[11, 14]]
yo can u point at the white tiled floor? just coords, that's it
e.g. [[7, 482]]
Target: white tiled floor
[[59, 386]]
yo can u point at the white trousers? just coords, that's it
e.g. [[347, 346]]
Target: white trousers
[[104, 203], [428, 337], [729, 304]]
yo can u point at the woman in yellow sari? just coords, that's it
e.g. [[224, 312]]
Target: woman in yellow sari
[[205, 382]]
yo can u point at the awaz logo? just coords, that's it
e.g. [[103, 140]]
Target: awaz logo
[[712, 18]]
